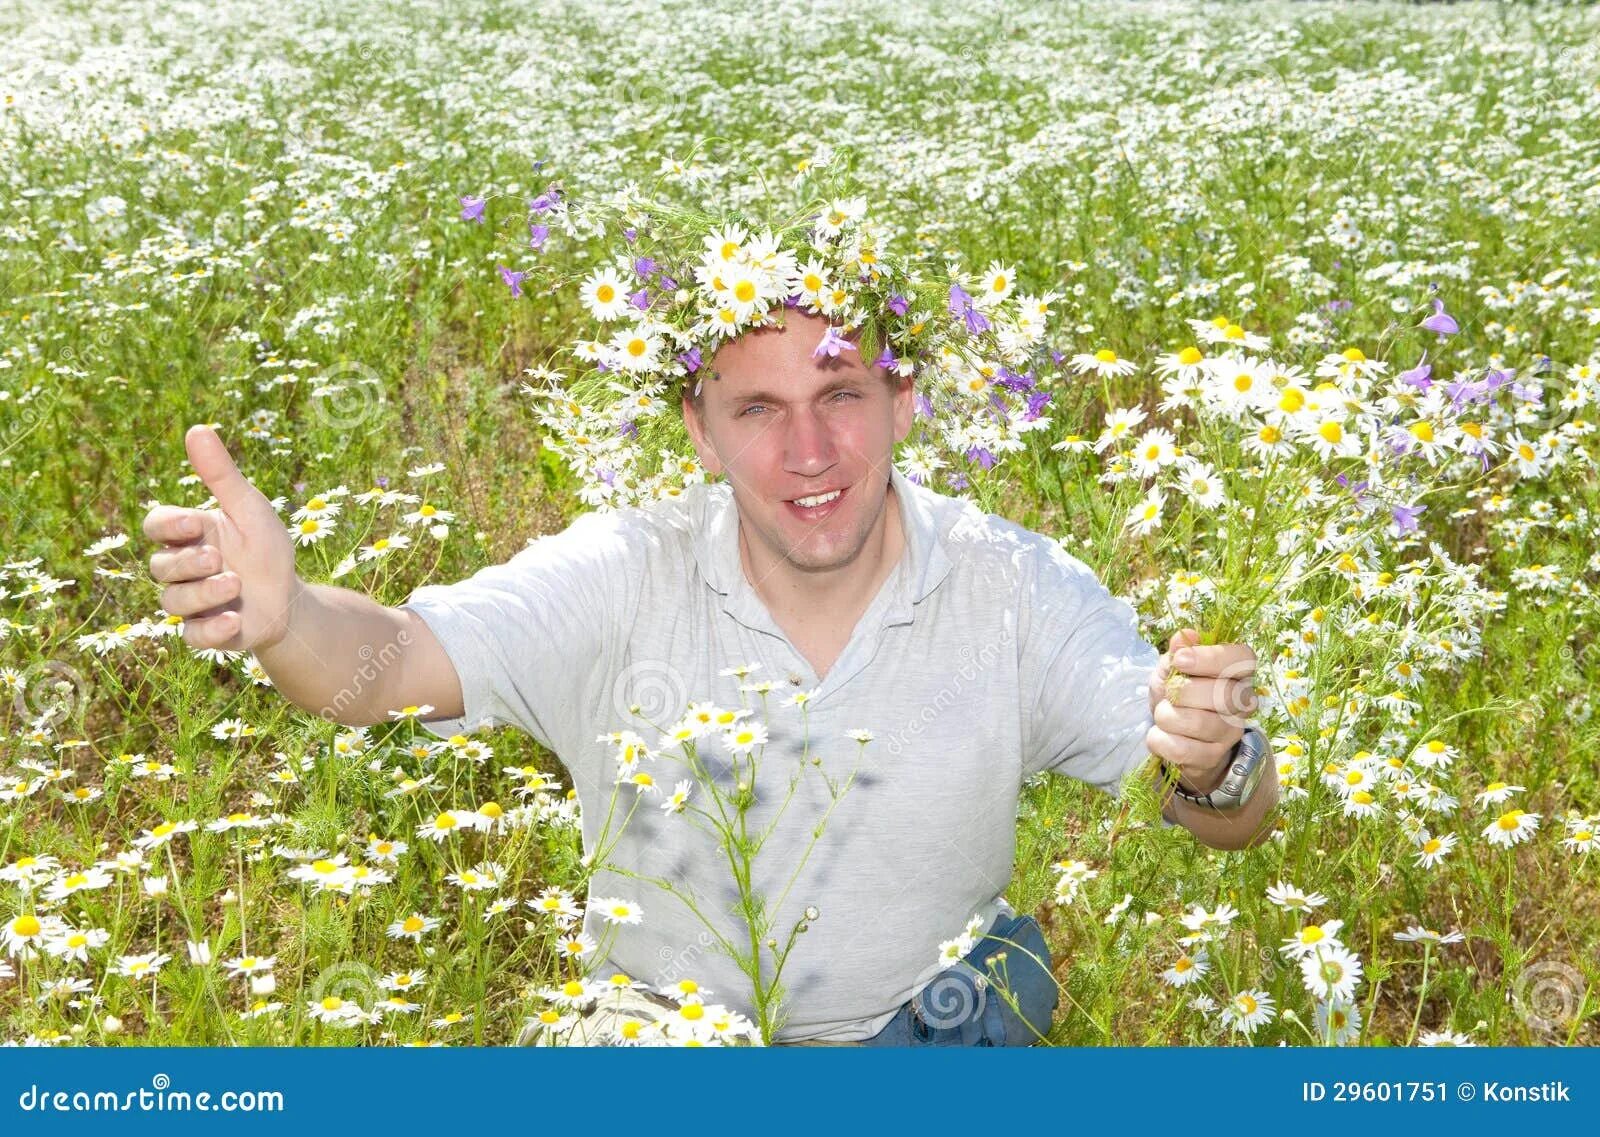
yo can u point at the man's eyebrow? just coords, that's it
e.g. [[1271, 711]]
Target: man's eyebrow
[[828, 389]]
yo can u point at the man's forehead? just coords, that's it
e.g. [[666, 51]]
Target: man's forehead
[[782, 359]]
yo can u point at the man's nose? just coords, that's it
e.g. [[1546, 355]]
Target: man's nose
[[808, 443]]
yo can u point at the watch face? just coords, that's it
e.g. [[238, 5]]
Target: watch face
[[1253, 779], [1255, 752]]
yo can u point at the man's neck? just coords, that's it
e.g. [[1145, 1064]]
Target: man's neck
[[794, 596]]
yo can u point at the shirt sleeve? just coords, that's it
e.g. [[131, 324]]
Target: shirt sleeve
[[1084, 672], [532, 639]]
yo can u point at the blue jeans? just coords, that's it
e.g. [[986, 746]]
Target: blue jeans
[[955, 1009]]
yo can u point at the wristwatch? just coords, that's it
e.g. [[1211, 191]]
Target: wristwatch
[[1247, 762]]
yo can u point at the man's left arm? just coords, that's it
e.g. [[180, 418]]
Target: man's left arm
[[1198, 718]]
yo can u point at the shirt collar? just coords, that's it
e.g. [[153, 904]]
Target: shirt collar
[[924, 561]]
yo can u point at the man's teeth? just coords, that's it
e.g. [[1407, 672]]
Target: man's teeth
[[820, 499]]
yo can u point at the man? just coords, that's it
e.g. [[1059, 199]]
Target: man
[[977, 652]]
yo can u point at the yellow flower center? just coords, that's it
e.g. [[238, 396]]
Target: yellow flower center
[[26, 926], [1189, 356], [744, 291], [605, 294], [1106, 355], [412, 924]]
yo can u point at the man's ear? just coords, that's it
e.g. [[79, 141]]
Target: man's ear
[[695, 425], [905, 405]]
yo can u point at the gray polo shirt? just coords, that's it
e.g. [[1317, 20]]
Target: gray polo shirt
[[988, 655]]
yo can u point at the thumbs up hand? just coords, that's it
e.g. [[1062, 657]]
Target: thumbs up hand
[[228, 571]]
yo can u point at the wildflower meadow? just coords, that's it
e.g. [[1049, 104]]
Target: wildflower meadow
[[1293, 338]]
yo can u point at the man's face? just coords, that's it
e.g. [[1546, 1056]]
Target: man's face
[[782, 425]]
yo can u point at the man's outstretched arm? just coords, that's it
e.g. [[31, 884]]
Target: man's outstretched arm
[[230, 573]]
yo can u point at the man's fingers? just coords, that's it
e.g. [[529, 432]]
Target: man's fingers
[[1230, 698], [174, 525], [195, 596], [211, 631], [1231, 661], [211, 460], [1197, 761], [1200, 725], [191, 562]]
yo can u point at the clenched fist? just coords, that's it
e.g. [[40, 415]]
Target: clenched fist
[[228, 571], [1200, 698]]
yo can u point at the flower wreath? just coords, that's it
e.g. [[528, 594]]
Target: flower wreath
[[683, 281]]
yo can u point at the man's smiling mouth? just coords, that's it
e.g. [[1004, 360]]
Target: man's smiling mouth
[[814, 507]]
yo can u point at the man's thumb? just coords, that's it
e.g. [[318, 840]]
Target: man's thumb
[[216, 468]]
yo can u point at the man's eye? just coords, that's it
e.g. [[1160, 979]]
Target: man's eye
[[747, 410], [848, 394]]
